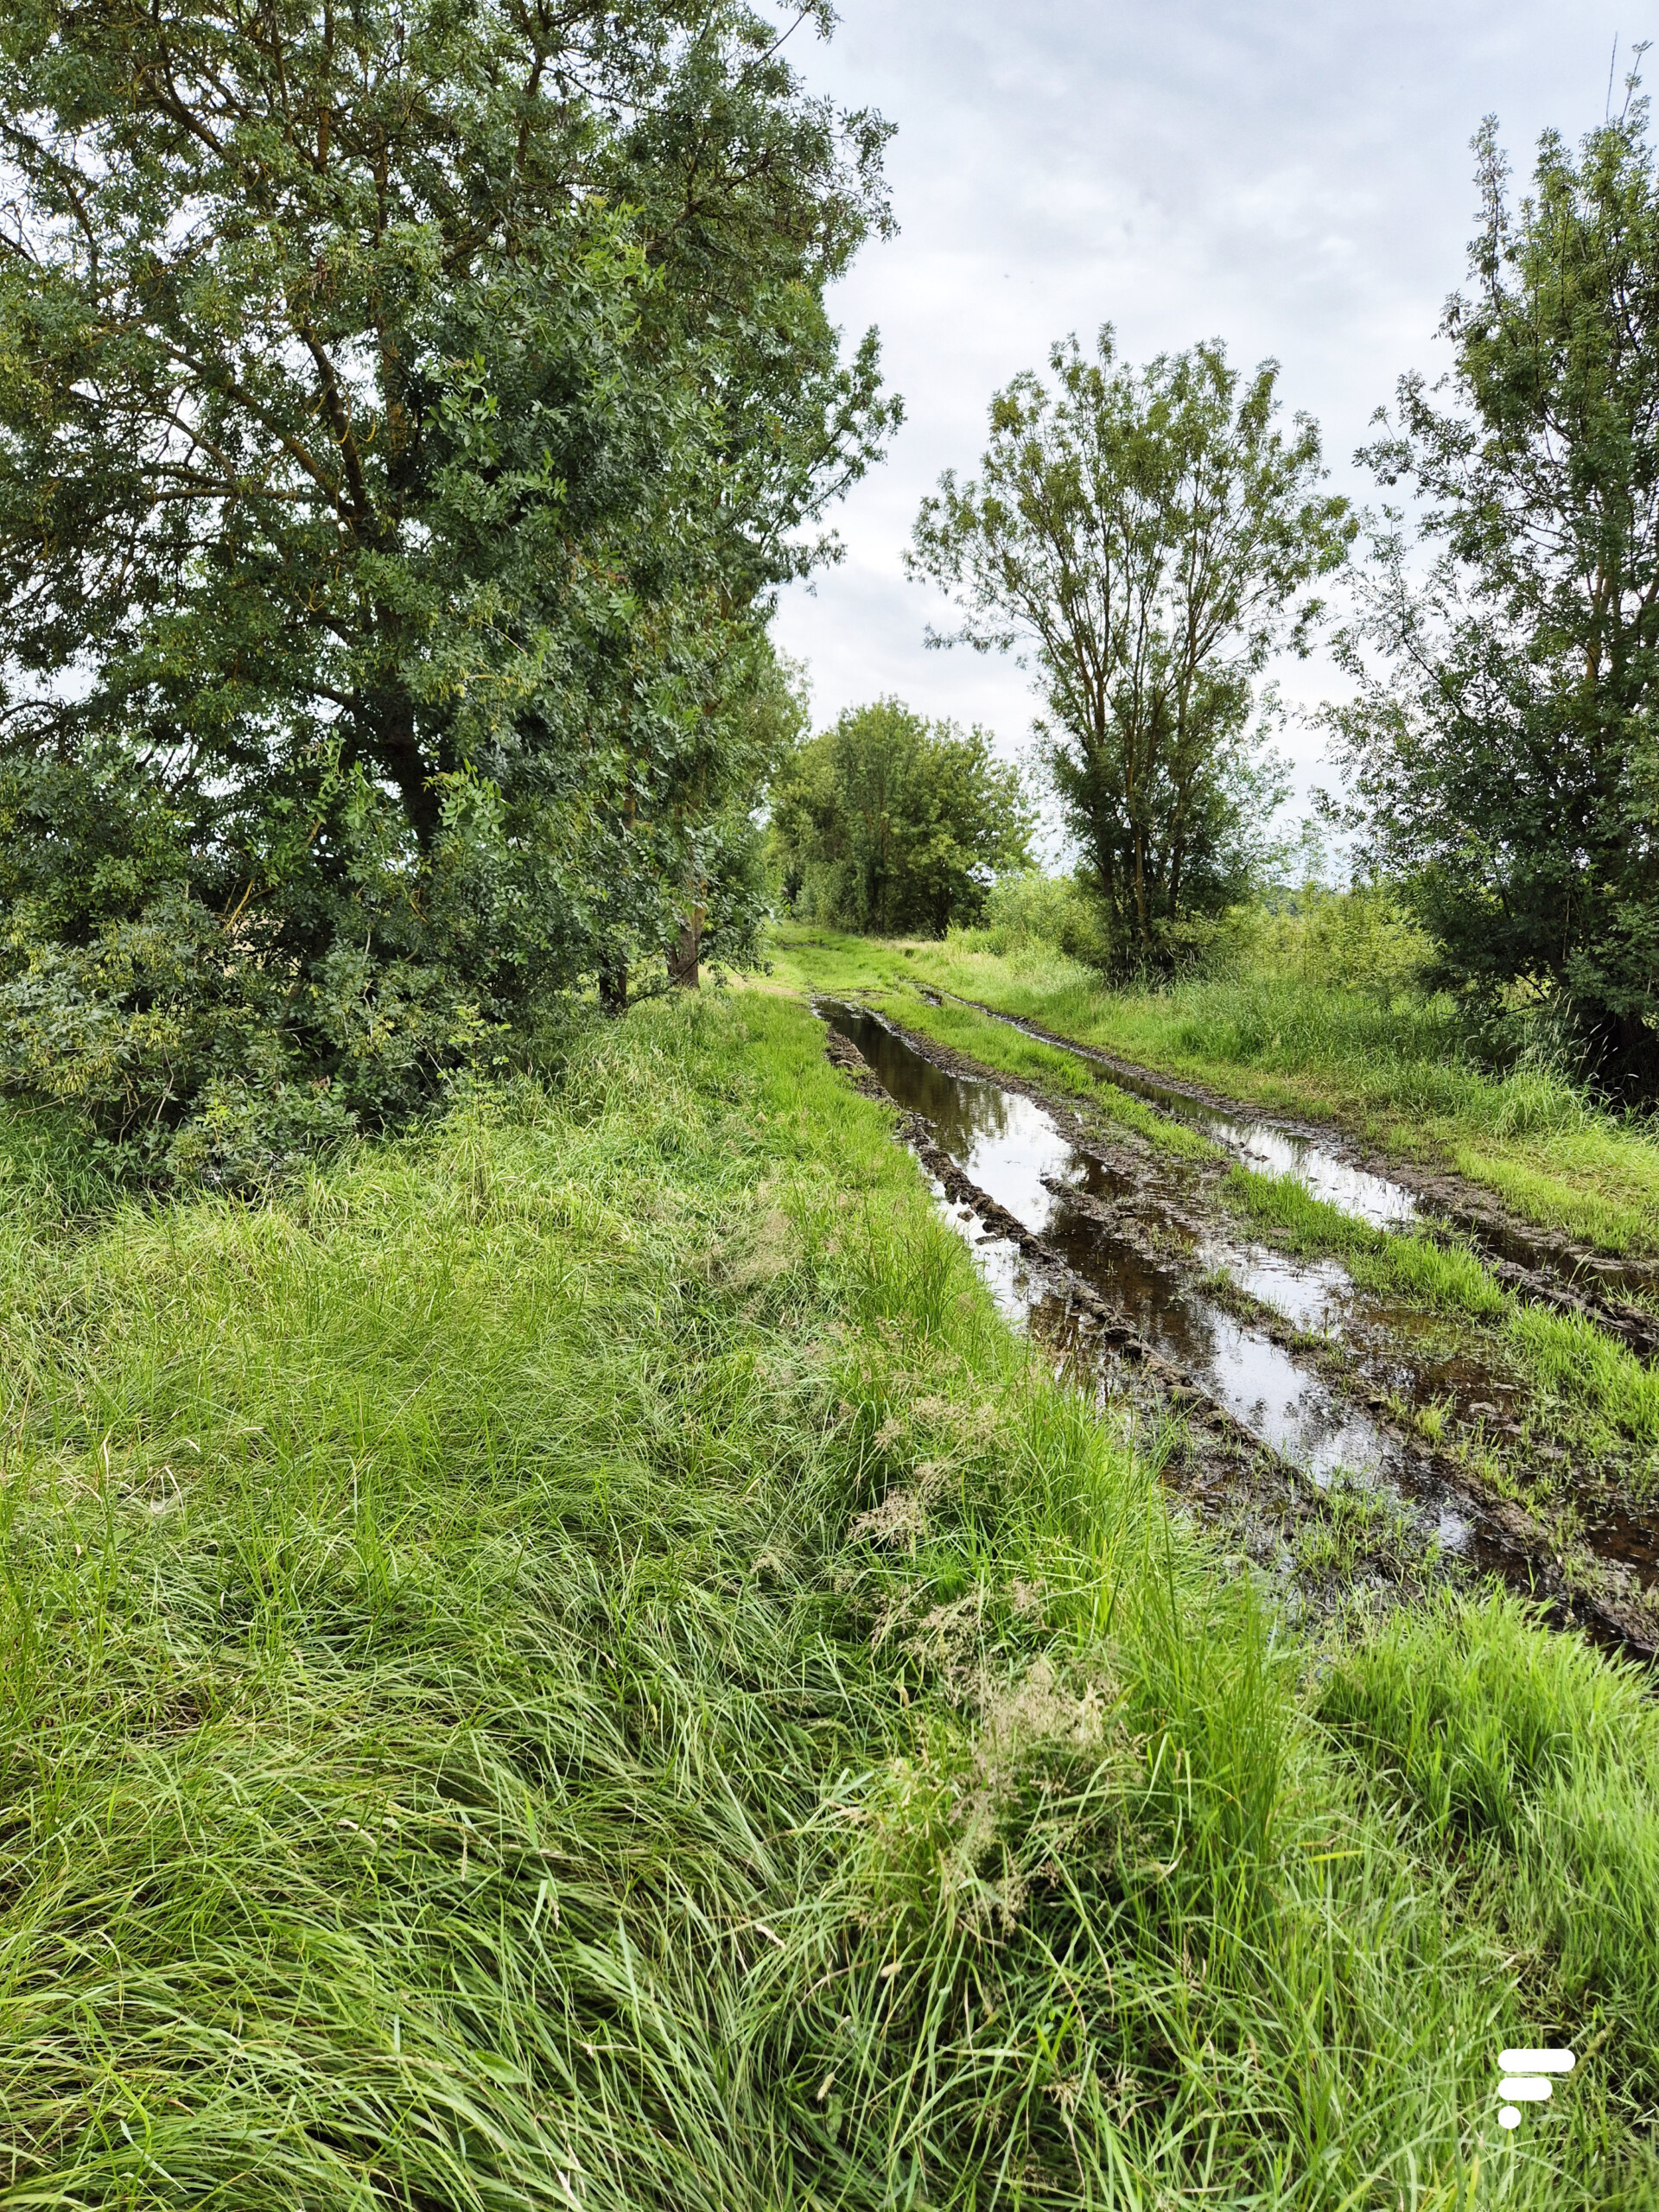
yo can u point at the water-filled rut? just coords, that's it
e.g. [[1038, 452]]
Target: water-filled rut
[[1136, 1231], [1594, 1283]]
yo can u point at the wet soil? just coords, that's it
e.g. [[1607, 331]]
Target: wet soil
[[1546, 1266], [1298, 1395]]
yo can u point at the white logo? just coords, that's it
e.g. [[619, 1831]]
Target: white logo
[[1526, 2079]]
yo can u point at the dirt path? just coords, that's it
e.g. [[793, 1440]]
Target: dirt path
[[1144, 1272], [1546, 1266]]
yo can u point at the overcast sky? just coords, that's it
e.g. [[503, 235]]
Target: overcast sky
[[1295, 180]]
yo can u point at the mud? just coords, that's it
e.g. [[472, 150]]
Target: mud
[[1291, 1382], [1544, 1266]]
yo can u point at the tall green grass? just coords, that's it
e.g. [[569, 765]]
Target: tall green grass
[[1535, 1765], [575, 1662]]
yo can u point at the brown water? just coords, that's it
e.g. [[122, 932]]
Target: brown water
[[1132, 1242], [1266, 1146], [1015, 1152]]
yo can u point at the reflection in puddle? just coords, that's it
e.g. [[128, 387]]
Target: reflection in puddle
[[1321, 1172], [1312, 1295], [1367, 1197], [1130, 1237], [1015, 1154]]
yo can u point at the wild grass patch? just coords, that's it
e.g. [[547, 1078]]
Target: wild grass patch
[[1568, 1358], [574, 1660], [1538, 1765], [1420, 1270]]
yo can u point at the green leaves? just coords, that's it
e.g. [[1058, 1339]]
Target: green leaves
[[1506, 764], [407, 404], [1147, 537], [886, 822]]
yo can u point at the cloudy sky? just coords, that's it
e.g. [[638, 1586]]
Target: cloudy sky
[[1295, 180]]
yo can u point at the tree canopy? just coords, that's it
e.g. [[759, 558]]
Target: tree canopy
[[1146, 537], [407, 408], [891, 823], [1503, 743]]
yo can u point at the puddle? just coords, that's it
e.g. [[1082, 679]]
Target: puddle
[[1321, 1171], [1316, 1296], [1129, 1237], [1324, 1174], [1018, 1155]]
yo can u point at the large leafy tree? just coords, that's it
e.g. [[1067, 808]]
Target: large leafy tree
[[1146, 538], [1502, 739], [889, 823], [406, 408]]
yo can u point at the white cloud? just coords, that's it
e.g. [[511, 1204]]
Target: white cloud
[[1295, 180]]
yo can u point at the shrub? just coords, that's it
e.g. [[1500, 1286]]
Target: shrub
[[211, 1037], [1357, 939], [1029, 909]]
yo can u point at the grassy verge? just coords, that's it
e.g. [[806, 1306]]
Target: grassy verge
[[575, 1662], [1397, 1074]]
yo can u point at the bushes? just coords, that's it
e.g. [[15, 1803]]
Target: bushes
[[1355, 940], [1358, 940], [1029, 911], [215, 1022]]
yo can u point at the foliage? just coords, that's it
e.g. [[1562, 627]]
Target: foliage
[[482, 1725], [1027, 909], [1505, 751], [405, 415], [888, 822], [1147, 535], [1362, 938]]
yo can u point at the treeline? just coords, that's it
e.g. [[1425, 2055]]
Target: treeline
[[409, 415], [891, 823], [409, 410], [1148, 538]]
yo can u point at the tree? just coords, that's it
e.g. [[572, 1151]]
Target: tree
[[408, 409], [1147, 537], [1504, 750], [888, 822]]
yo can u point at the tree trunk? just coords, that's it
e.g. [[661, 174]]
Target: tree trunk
[[613, 983], [682, 961], [391, 719]]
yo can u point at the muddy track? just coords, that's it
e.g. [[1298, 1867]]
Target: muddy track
[[1546, 1267], [1228, 1469]]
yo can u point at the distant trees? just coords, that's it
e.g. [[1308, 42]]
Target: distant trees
[[1505, 751], [1147, 537], [891, 823]]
